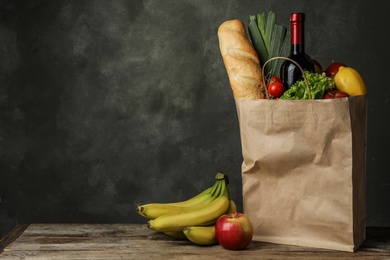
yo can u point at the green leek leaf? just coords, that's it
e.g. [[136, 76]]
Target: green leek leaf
[[269, 27], [257, 39], [269, 40]]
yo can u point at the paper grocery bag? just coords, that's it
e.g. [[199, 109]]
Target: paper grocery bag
[[303, 171]]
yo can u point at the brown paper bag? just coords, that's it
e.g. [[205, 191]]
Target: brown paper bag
[[303, 170]]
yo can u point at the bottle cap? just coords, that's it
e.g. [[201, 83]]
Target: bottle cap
[[297, 17]]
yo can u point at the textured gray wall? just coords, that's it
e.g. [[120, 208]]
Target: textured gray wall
[[107, 104]]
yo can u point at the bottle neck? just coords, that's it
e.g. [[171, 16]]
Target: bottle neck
[[297, 48], [297, 37]]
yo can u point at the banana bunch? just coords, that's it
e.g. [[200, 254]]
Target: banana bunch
[[192, 219]]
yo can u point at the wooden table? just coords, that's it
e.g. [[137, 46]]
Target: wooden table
[[135, 241]]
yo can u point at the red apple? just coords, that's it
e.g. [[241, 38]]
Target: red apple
[[333, 68], [335, 94], [234, 231], [317, 66]]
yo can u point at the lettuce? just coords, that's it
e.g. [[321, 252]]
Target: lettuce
[[318, 84]]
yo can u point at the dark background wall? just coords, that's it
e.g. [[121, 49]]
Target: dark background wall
[[108, 104]]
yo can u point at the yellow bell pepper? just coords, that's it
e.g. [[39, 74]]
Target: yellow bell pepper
[[348, 80]]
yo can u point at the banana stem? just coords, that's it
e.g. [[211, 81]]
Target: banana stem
[[220, 176]]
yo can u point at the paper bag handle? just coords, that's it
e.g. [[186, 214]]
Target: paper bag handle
[[284, 58]]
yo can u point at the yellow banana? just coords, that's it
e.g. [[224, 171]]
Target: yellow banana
[[177, 222], [200, 198], [155, 210], [209, 223], [192, 201], [201, 235], [232, 206]]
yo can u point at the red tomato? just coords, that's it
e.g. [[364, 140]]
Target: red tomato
[[275, 89], [274, 79]]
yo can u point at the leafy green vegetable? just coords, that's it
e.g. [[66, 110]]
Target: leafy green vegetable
[[269, 28], [269, 40], [261, 22], [257, 39], [284, 51], [275, 47], [318, 85]]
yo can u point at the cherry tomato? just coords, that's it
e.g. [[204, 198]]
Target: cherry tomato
[[275, 89], [274, 79]]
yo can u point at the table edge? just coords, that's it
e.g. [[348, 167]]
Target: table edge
[[12, 236]]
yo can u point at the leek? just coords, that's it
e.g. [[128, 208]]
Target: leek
[[269, 40], [257, 39]]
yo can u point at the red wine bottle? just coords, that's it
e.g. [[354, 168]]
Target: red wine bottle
[[290, 73]]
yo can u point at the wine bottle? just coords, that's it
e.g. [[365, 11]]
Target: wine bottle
[[290, 73]]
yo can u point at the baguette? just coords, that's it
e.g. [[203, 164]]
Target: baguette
[[241, 61]]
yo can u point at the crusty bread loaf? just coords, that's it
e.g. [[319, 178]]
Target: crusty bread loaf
[[241, 61]]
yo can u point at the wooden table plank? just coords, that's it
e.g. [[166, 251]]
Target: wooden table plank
[[12, 236], [135, 241]]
